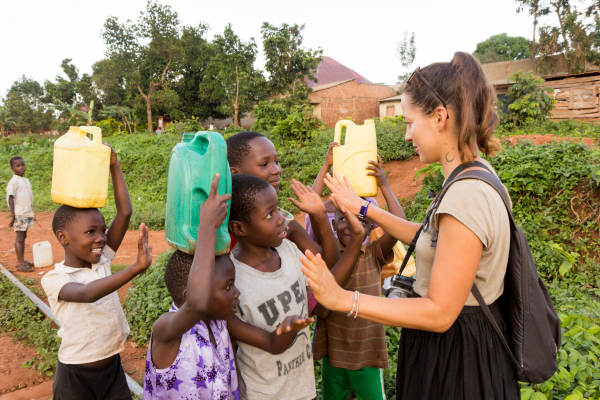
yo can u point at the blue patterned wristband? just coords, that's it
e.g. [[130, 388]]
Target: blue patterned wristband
[[363, 209]]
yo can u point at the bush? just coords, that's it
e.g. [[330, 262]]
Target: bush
[[299, 126], [268, 114], [564, 128], [528, 99], [24, 320], [111, 126]]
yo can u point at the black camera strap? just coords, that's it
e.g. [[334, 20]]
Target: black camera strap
[[434, 207]]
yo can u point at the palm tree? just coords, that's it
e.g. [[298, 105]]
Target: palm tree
[[5, 120], [74, 113]]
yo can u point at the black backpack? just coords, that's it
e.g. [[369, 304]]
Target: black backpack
[[534, 329]]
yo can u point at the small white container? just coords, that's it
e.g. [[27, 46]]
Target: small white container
[[42, 254]]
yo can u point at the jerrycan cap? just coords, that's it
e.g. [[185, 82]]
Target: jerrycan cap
[[369, 121], [187, 137]]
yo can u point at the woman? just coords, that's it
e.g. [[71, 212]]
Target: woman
[[448, 349]]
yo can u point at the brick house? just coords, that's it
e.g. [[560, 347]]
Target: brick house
[[347, 98]]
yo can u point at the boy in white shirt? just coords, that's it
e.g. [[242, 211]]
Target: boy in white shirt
[[20, 203], [82, 293]]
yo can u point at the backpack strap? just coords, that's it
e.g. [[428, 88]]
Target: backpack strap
[[494, 182], [490, 317]]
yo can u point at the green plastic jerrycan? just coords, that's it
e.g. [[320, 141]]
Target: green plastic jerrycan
[[194, 163]]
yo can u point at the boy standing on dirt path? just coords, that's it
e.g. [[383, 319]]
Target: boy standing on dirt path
[[20, 204], [82, 293]]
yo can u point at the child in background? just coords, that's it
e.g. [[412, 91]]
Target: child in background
[[272, 285], [354, 350], [20, 203], [253, 154], [82, 293], [190, 354]]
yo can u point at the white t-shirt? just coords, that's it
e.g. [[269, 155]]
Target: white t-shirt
[[266, 299], [20, 189], [89, 331]]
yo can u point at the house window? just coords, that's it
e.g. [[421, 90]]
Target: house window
[[389, 112], [583, 98]]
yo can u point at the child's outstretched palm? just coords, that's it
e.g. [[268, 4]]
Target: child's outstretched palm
[[144, 257], [293, 323], [308, 200]]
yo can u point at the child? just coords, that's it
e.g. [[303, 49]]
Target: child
[[82, 293], [20, 204], [180, 362], [354, 350], [253, 154]]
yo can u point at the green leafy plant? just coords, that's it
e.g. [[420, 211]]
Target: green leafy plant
[[20, 317], [299, 126], [528, 99], [147, 300]]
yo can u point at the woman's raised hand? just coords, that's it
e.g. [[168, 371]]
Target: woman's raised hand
[[343, 192], [327, 292]]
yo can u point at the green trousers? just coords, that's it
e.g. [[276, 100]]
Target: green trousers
[[366, 383]]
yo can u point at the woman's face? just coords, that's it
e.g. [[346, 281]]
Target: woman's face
[[423, 131]]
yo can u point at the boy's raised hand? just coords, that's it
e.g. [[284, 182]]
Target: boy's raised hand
[[113, 154], [293, 323], [214, 209], [378, 172], [308, 200], [329, 157], [144, 257]]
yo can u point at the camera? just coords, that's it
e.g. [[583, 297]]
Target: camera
[[399, 286]]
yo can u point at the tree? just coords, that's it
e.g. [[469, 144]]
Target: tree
[[119, 112], [145, 51], [24, 102], [573, 37], [232, 75], [75, 90], [502, 48], [288, 63], [5, 120], [406, 51], [192, 69], [109, 81]]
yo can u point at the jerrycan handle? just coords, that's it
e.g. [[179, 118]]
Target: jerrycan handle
[[94, 130], [338, 129]]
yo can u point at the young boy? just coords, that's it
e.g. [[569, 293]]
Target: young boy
[[272, 285], [20, 204], [354, 350], [181, 363], [253, 154], [82, 293]]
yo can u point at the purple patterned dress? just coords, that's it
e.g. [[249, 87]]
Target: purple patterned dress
[[200, 371]]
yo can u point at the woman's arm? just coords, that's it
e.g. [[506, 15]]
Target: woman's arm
[[455, 265], [343, 192]]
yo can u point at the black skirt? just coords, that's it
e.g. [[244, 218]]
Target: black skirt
[[466, 362]]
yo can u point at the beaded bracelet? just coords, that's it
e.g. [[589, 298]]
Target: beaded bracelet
[[354, 304]]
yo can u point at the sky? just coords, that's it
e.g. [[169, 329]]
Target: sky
[[362, 35]]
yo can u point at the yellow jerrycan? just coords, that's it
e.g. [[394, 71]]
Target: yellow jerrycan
[[80, 169], [352, 156]]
